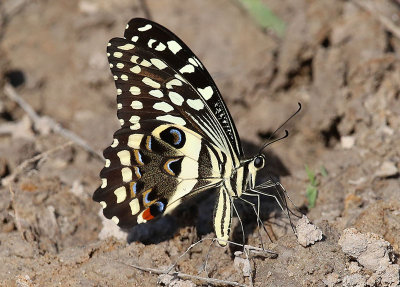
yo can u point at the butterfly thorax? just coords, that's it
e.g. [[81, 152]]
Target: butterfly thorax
[[244, 177]]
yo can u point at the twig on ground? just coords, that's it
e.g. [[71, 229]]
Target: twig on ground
[[54, 126], [385, 21], [186, 276], [168, 270], [9, 179]]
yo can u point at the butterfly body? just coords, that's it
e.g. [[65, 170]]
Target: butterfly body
[[177, 137]]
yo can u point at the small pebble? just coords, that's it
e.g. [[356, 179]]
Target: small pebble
[[347, 142], [387, 169]]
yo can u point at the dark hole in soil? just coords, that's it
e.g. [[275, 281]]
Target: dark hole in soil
[[326, 43], [331, 134], [304, 74], [389, 44], [6, 116], [15, 77]]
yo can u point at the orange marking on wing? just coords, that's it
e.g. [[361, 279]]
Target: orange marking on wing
[[137, 172], [138, 157], [167, 169], [131, 184], [148, 143], [147, 215]]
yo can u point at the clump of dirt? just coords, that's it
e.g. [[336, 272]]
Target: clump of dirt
[[340, 59]]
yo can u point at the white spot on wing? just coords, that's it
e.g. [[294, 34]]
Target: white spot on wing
[[198, 62], [124, 157], [126, 174], [179, 77], [174, 46], [134, 119], [108, 162], [151, 83], [134, 38], [136, 69], [119, 106], [140, 218], [115, 219], [187, 69], [103, 182], [172, 119], [120, 192], [134, 90], [124, 77], [135, 127], [156, 93], [134, 205], [176, 98], [160, 47], [134, 141], [206, 93], [120, 65], [137, 105], [193, 62], [119, 91], [114, 143], [126, 47], [144, 28], [117, 54], [145, 63], [103, 204], [195, 104], [158, 63], [163, 106], [134, 59], [174, 82], [121, 121], [150, 43]]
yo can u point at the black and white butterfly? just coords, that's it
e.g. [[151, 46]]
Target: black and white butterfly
[[177, 137]]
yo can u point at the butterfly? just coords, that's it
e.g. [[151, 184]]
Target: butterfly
[[177, 137]]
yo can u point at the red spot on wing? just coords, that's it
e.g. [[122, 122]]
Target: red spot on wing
[[147, 215]]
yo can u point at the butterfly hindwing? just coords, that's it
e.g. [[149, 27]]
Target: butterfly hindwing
[[149, 174]]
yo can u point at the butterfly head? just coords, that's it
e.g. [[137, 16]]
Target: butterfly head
[[256, 163]]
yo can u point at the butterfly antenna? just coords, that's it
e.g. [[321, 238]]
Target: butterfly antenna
[[276, 140], [286, 135]]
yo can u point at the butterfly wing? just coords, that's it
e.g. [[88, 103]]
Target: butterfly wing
[[176, 133], [214, 118]]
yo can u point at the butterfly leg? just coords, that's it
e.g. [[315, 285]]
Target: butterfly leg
[[257, 212], [280, 198]]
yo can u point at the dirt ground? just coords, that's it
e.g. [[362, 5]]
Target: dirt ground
[[340, 59]]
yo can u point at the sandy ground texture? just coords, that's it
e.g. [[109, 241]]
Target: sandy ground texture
[[340, 59]]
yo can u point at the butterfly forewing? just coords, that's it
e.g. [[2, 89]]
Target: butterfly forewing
[[176, 137], [172, 51]]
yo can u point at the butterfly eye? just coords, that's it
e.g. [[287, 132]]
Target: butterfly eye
[[259, 162]]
